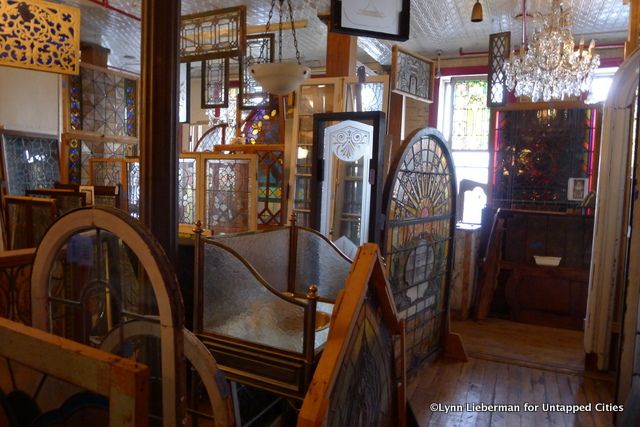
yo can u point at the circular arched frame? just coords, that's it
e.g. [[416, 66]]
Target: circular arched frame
[[195, 352], [161, 277], [423, 174]]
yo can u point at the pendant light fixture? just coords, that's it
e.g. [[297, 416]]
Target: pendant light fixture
[[280, 78], [476, 12], [438, 73]]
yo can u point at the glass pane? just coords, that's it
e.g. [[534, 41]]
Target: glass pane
[[316, 99], [237, 305], [320, 264], [267, 252], [133, 182], [187, 191], [371, 96], [470, 122]]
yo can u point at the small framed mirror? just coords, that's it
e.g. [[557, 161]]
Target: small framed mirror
[[346, 184]]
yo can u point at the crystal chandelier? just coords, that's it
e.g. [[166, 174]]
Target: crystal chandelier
[[551, 67]]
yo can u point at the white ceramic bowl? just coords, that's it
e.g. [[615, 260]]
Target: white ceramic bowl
[[547, 261]]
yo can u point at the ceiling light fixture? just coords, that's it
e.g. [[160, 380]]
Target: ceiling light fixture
[[551, 67], [438, 74], [280, 78], [476, 12]]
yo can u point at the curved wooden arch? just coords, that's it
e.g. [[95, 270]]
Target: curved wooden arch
[[423, 348], [161, 277], [195, 352]]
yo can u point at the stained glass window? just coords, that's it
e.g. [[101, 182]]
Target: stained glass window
[[270, 181], [133, 188], [418, 241], [537, 151], [470, 121], [371, 96], [259, 49]]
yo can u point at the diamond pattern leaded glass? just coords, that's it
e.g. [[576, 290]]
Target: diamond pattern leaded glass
[[270, 174], [91, 149], [499, 45], [106, 173], [32, 162], [418, 241]]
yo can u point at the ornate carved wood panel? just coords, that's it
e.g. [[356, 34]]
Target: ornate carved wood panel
[[418, 241], [40, 35]]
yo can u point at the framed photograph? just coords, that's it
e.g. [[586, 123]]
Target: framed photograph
[[412, 75], [381, 19], [184, 92], [578, 189], [88, 190]]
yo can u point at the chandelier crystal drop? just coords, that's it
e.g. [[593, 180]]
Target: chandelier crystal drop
[[551, 67]]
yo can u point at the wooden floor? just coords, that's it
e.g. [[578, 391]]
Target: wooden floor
[[507, 368]]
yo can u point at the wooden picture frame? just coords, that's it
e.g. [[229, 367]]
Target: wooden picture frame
[[577, 189], [382, 19], [408, 72], [184, 93]]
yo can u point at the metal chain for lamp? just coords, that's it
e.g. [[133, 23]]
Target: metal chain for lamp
[[293, 29]]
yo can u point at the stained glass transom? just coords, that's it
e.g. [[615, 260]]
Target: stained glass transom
[[470, 119], [228, 194], [537, 151], [366, 372], [216, 34], [412, 75], [418, 241], [262, 126], [32, 162], [187, 174]]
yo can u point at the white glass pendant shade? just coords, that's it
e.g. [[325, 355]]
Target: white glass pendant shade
[[280, 78]]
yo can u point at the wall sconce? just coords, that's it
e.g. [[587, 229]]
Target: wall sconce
[[476, 13]]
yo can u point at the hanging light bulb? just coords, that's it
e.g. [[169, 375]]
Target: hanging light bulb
[[280, 78], [438, 74], [476, 12]]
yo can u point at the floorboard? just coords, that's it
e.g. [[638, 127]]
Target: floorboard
[[526, 366]]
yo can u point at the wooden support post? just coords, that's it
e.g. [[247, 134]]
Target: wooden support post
[[158, 123], [342, 51], [634, 28]]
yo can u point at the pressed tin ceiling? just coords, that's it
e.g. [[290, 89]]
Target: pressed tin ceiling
[[435, 24]]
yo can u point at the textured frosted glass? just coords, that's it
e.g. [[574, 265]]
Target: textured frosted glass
[[267, 252], [236, 304], [319, 263]]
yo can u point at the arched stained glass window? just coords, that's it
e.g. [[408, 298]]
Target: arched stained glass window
[[418, 242]]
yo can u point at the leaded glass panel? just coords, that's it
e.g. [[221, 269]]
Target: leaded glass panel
[[215, 83], [270, 182], [32, 162], [371, 96], [133, 190], [228, 195], [187, 181], [418, 241], [260, 48]]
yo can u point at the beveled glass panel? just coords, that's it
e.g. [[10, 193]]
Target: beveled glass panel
[[228, 188]]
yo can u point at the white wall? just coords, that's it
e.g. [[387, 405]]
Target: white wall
[[29, 101]]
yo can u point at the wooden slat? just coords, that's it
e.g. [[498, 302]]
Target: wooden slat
[[123, 381]]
